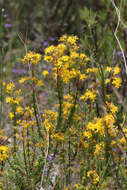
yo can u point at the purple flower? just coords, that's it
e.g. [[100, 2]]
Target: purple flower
[[7, 25], [45, 43], [5, 15], [16, 71], [119, 53], [6, 57], [23, 71], [19, 71], [51, 39]]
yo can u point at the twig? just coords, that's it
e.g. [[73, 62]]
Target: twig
[[45, 163], [116, 30]]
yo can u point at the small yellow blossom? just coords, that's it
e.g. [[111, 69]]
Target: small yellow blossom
[[72, 40], [45, 73], [89, 173], [10, 87], [95, 178], [19, 110], [3, 83], [107, 81], [116, 70], [9, 99], [63, 38], [89, 95], [22, 80], [92, 70], [3, 153], [112, 107], [39, 83], [49, 49], [87, 134], [117, 82], [98, 148], [11, 115], [108, 69], [83, 76]]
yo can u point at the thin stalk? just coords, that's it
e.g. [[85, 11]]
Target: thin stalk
[[60, 98], [35, 104], [24, 156]]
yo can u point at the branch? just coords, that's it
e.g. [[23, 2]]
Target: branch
[[116, 30]]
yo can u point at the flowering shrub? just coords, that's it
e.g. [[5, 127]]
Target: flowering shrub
[[76, 141]]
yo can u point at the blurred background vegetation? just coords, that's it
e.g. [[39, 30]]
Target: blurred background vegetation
[[40, 22]]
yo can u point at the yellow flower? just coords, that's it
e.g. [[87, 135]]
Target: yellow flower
[[92, 70], [49, 50], [10, 87], [19, 110], [11, 115], [3, 153], [58, 136], [22, 80], [116, 70], [117, 82], [95, 178], [45, 73], [39, 83], [9, 99], [83, 76], [112, 107], [89, 95], [72, 40], [3, 83], [32, 58], [48, 58], [108, 69], [87, 134], [47, 124], [63, 38], [89, 173], [98, 148], [107, 81]]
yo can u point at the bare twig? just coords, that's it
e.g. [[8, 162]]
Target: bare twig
[[45, 163], [116, 30]]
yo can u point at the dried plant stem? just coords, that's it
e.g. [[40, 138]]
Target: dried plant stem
[[15, 130], [45, 162], [115, 33], [24, 155], [35, 104]]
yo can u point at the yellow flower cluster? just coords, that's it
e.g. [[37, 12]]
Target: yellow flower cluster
[[98, 148], [31, 58], [9, 88], [23, 79], [64, 58], [113, 109], [92, 174], [13, 100], [58, 136], [49, 119], [100, 125], [89, 95], [3, 153], [116, 80]]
